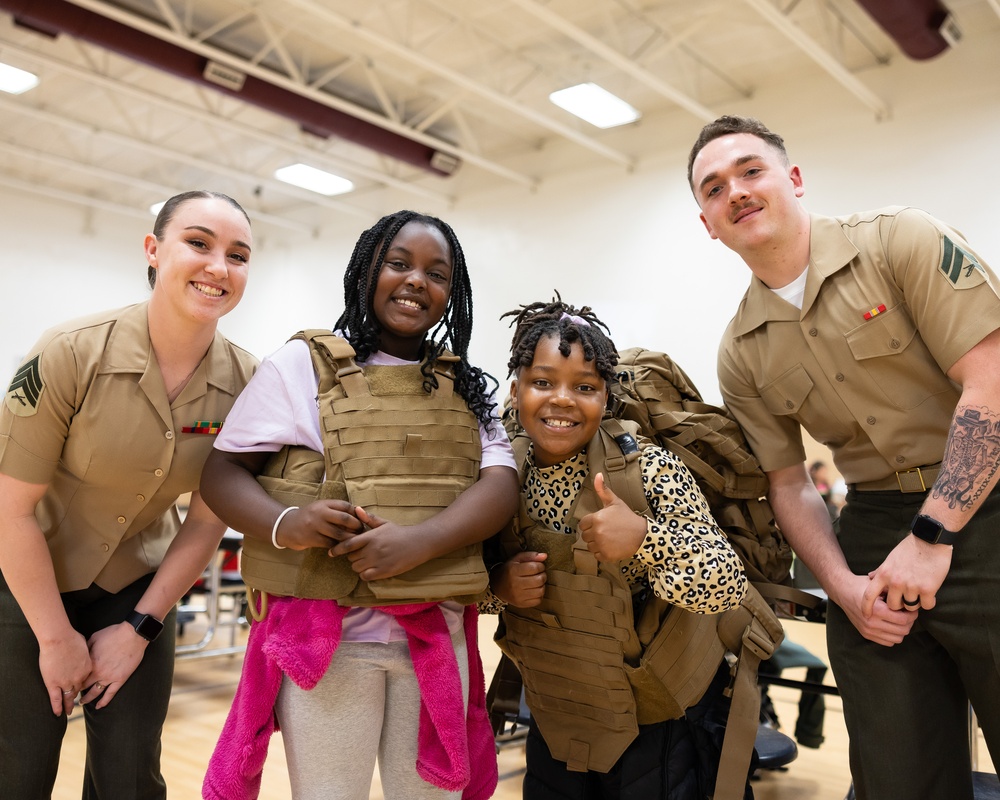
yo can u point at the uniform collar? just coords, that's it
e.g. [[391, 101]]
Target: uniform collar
[[129, 350], [829, 251]]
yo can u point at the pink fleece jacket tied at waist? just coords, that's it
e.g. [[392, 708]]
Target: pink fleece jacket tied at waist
[[455, 748]]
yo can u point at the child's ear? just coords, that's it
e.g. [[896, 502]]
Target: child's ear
[[513, 394]]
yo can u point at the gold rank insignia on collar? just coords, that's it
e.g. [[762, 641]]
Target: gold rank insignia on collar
[[25, 389], [203, 426]]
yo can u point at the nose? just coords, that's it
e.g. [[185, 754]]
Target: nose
[[217, 265], [737, 194], [562, 397], [416, 278]]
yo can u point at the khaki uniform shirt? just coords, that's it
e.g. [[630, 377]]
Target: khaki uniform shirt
[[893, 298], [87, 414]]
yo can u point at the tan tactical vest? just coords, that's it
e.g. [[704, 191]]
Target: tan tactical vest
[[390, 447], [593, 669]]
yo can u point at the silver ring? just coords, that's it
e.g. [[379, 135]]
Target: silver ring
[[69, 691], [912, 602], [100, 686]]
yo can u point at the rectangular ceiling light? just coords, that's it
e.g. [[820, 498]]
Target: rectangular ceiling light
[[315, 180], [16, 81], [597, 106]]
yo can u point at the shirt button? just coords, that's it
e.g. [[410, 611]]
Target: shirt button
[[169, 434], [121, 520], [105, 547], [140, 497], [813, 332], [840, 376], [158, 473], [789, 404], [900, 459], [894, 344], [870, 420]]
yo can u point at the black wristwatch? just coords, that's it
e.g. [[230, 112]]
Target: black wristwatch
[[930, 530], [146, 626]]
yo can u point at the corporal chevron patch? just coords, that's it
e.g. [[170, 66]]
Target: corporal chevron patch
[[959, 266], [25, 389]]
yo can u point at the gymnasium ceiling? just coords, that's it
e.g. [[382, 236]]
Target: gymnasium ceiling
[[448, 86]]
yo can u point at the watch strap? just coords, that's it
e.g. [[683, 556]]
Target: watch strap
[[930, 530]]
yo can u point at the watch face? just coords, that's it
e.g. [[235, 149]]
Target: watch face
[[146, 626], [930, 530]]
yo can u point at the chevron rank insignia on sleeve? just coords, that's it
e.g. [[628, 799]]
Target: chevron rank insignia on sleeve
[[25, 389], [959, 266]]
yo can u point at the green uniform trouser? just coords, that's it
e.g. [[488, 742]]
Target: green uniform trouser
[[123, 739], [906, 706]]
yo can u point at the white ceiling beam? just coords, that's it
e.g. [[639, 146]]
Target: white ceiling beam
[[615, 58], [160, 151], [325, 98], [456, 77], [130, 180], [804, 42], [315, 157]]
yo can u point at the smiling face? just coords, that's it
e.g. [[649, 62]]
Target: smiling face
[[413, 288], [201, 260], [748, 193], [559, 400]]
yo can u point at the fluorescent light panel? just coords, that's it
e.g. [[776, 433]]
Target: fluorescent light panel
[[16, 81], [315, 180], [597, 106]]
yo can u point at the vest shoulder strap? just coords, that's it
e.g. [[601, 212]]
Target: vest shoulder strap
[[333, 360]]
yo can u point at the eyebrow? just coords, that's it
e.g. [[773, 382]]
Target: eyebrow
[[210, 232], [402, 249], [739, 162]]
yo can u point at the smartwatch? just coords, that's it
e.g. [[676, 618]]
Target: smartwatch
[[146, 626], [930, 530]]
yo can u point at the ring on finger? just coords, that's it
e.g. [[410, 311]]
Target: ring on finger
[[68, 692], [911, 603]]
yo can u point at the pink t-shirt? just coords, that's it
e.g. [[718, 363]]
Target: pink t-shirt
[[278, 407]]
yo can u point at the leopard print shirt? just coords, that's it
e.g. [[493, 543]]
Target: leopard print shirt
[[685, 557]]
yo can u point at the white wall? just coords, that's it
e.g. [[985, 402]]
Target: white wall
[[630, 245]]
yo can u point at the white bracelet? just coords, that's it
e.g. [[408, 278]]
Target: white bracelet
[[277, 522]]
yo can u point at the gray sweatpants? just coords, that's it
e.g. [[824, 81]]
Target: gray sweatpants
[[366, 706]]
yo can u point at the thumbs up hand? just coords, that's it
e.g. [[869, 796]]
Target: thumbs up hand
[[615, 532]]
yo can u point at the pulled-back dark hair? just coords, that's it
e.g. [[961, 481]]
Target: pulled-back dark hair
[[170, 207], [362, 328], [537, 320], [730, 124]]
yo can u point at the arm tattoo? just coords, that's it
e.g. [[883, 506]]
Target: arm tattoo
[[971, 457]]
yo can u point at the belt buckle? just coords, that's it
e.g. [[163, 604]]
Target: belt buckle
[[920, 476]]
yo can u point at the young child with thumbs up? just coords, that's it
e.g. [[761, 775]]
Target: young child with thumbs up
[[583, 582]]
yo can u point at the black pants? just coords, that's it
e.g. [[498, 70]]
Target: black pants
[[123, 739], [906, 706]]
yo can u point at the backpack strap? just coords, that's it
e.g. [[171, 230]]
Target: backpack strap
[[752, 632]]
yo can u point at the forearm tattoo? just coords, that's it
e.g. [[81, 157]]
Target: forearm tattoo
[[971, 457]]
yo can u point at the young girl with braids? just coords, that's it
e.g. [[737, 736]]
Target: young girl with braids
[[370, 654], [579, 553]]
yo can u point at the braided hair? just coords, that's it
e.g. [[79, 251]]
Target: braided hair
[[561, 321], [363, 330]]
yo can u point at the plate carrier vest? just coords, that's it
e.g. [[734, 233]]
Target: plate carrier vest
[[389, 446], [594, 670]]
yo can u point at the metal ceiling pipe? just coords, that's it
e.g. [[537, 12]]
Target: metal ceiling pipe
[[922, 28], [54, 17]]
